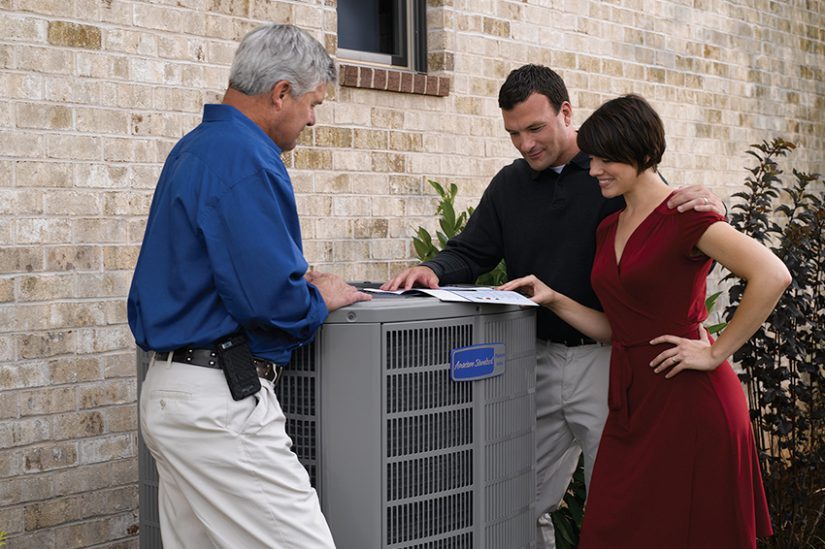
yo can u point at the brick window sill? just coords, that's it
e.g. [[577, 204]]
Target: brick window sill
[[376, 78]]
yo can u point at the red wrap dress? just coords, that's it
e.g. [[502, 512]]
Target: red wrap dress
[[677, 465]]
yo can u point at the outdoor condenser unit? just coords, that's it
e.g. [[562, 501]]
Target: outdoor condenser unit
[[405, 450]]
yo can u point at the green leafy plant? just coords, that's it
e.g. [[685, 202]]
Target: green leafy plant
[[2, 538], [784, 362], [567, 519], [450, 224]]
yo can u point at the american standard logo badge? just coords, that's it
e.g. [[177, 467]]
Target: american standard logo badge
[[477, 362]]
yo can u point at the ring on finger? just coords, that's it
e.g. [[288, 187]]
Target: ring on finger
[[704, 200]]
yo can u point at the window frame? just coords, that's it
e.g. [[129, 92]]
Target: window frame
[[411, 26]]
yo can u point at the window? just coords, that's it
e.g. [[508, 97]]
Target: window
[[384, 32]]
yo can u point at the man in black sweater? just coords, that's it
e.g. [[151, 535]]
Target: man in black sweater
[[540, 215]]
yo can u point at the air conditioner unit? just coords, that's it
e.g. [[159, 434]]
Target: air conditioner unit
[[404, 449]]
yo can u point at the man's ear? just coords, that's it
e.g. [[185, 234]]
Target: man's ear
[[280, 90], [567, 111]]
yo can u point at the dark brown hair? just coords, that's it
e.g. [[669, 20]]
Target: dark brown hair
[[530, 79], [626, 130]]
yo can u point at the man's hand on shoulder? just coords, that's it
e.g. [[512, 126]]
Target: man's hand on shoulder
[[334, 290], [414, 276], [696, 197]]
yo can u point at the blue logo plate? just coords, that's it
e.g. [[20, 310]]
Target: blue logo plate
[[477, 362]]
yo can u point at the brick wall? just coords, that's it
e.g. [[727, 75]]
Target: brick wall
[[93, 93]]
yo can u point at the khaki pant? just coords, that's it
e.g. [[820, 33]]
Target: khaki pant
[[227, 477], [571, 408]]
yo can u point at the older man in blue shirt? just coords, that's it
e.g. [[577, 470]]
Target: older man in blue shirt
[[221, 293]]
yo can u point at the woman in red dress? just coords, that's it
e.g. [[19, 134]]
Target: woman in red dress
[[677, 465]]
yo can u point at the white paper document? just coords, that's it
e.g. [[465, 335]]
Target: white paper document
[[466, 294]]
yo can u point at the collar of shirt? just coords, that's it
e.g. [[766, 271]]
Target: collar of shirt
[[581, 161], [222, 112]]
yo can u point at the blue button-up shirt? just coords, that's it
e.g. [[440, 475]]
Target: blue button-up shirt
[[222, 250]]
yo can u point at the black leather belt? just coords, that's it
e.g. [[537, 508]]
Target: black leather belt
[[208, 359], [573, 341]]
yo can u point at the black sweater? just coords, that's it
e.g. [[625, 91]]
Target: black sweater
[[540, 223]]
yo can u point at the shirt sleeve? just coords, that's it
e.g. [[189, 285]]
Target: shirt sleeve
[[692, 225], [254, 243]]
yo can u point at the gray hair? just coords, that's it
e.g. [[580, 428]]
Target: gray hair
[[272, 53]]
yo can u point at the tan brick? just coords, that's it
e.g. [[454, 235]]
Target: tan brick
[[12, 520], [370, 228], [115, 311], [267, 10], [73, 35], [97, 531], [126, 203], [50, 457], [114, 284], [20, 260], [129, 150], [120, 418], [330, 136], [20, 144], [47, 7], [102, 121], [76, 425], [47, 401], [120, 257], [357, 206], [73, 258], [165, 125], [317, 206], [100, 230], [406, 141], [387, 207], [75, 147], [43, 174], [22, 432], [333, 228], [73, 370], [10, 464], [382, 117], [348, 250], [21, 201], [65, 202], [38, 115], [6, 56], [103, 339], [9, 407], [230, 7], [107, 448], [120, 364], [385, 248], [316, 251], [6, 290], [47, 60], [45, 287], [47, 344], [42, 231], [22, 489], [404, 184], [75, 508], [106, 176], [370, 139], [388, 162], [22, 28], [312, 159]]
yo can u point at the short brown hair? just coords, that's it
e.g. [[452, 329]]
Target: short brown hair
[[626, 130]]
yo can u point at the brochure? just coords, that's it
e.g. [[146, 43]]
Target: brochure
[[466, 294]]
